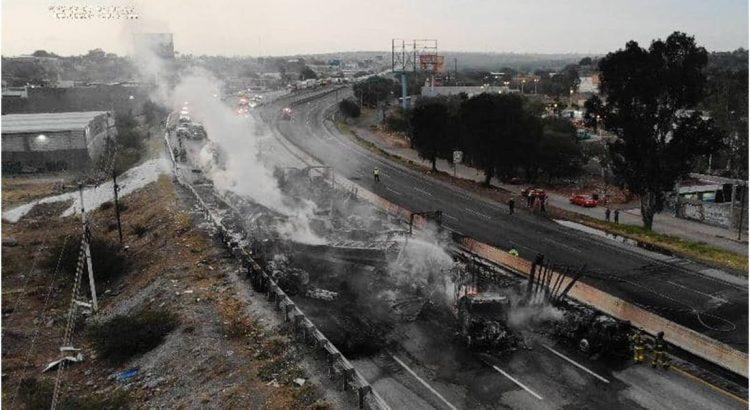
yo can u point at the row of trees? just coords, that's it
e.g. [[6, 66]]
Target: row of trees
[[650, 99], [501, 134]]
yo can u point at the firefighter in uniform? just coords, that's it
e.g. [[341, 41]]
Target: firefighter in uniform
[[376, 174], [660, 352], [639, 347]]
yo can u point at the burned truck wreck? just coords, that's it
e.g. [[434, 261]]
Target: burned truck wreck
[[365, 278], [483, 319]]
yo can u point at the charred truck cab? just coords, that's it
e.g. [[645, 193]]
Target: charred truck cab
[[482, 320]]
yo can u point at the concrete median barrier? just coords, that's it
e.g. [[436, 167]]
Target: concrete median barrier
[[691, 341]]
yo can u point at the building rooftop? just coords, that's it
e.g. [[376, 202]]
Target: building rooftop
[[62, 121]]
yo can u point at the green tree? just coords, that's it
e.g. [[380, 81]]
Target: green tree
[[349, 108], [649, 94], [307, 74], [726, 101], [496, 128], [374, 90], [559, 153], [429, 129], [153, 113], [593, 108]]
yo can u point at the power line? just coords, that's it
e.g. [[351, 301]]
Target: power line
[[36, 332]]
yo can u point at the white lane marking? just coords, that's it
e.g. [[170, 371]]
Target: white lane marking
[[576, 364], [517, 382], [393, 190], [424, 383], [423, 191], [450, 217], [698, 292], [477, 213]]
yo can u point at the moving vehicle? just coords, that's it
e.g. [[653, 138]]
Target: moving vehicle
[[587, 201]]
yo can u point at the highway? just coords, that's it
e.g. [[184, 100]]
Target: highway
[[426, 367], [704, 299]]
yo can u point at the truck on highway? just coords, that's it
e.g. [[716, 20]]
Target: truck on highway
[[482, 321]]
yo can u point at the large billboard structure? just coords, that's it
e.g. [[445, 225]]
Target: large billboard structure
[[413, 56]]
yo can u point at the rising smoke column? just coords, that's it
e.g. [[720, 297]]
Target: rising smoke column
[[242, 172]]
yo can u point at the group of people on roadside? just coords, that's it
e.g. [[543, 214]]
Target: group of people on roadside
[[608, 212], [533, 202]]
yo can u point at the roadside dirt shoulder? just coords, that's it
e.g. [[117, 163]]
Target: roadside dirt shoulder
[[229, 349]]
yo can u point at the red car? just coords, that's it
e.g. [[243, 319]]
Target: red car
[[584, 200]]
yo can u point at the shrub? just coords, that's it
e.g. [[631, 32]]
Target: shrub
[[139, 230], [37, 394], [397, 122], [107, 257], [349, 108], [125, 336]]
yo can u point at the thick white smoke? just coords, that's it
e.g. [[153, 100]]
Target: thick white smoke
[[242, 171], [423, 261]]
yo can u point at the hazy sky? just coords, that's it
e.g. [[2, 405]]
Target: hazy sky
[[273, 27]]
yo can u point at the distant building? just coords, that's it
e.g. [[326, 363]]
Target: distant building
[[54, 141], [123, 98], [467, 89], [589, 84]]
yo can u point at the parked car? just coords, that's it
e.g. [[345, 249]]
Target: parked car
[[583, 200]]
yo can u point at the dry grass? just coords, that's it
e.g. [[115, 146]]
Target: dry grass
[[23, 189], [165, 249]]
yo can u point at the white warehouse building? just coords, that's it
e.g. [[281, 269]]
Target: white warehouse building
[[54, 141]]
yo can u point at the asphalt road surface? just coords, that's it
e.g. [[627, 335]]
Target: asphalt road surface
[[707, 300], [428, 368]]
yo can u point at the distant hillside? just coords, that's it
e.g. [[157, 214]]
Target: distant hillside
[[472, 60]]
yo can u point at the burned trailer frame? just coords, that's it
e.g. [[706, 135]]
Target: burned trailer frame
[[594, 333]]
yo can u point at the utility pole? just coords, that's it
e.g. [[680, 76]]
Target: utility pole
[[116, 189], [742, 213], [87, 251]]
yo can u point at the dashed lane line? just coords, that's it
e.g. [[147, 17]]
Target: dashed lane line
[[481, 215], [576, 364], [423, 191], [511, 378], [393, 190], [424, 383]]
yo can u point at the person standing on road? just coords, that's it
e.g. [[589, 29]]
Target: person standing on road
[[617, 216], [606, 214], [660, 352], [511, 205], [376, 174], [638, 346], [543, 204]]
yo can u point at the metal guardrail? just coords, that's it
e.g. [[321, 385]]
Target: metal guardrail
[[340, 369]]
